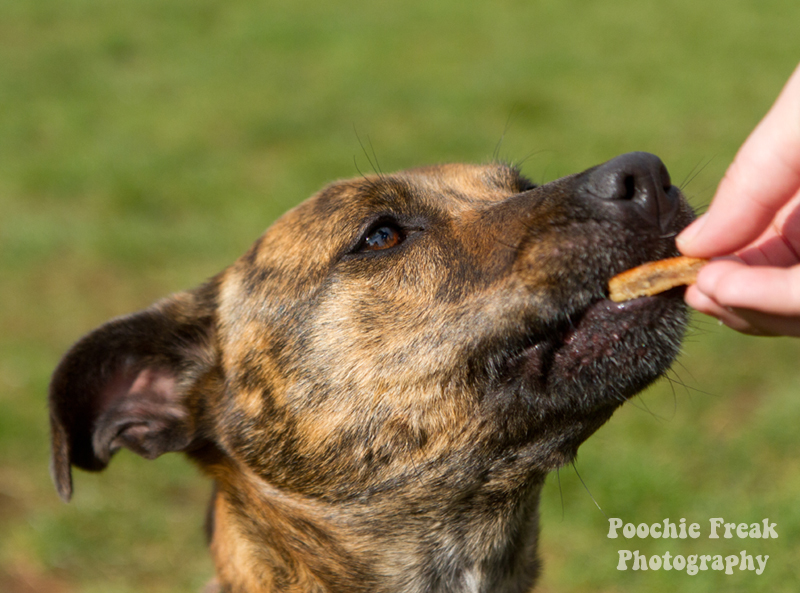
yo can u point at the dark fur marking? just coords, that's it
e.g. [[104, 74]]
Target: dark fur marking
[[353, 406]]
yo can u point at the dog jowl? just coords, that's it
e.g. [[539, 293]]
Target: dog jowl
[[380, 385]]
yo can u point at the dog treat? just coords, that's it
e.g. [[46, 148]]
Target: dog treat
[[654, 277]]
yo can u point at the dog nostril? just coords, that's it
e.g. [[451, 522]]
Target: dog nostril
[[630, 187], [637, 182]]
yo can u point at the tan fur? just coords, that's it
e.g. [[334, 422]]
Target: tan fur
[[382, 420]]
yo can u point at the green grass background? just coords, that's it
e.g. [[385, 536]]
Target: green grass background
[[145, 144]]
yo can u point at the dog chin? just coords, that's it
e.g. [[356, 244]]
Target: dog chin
[[569, 381], [614, 350]]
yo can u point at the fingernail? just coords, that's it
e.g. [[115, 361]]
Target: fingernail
[[688, 234]]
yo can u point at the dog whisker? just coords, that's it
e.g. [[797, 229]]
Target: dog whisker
[[509, 120], [560, 492], [375, 165], [520, 162], [645, 408], [594, 500], [693, 173]]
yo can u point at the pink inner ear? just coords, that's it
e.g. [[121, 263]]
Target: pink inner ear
[[154, 384], [144, 411]]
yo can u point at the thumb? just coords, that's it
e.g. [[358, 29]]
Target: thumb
[[764, 175]]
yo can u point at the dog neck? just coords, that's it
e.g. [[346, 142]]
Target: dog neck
[[264, 541]]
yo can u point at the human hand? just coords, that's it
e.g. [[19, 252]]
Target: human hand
[[755, 215]]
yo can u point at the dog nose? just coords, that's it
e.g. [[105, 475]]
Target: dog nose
[[636, 182]]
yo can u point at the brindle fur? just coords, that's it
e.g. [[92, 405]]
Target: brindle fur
[[383, 421]]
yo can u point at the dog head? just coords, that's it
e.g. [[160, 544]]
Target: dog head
[[438, 331]]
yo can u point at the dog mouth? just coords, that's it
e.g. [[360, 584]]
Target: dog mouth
[[592, 352], [611, 333], [574, 356], [600, 354]]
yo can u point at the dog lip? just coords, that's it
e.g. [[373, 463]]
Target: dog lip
[[618, 317], [588, 334]]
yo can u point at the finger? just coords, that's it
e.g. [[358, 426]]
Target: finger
[[700, 301], [731, 283], [779, 245], [696, 299], [764, 175], [744, 320], [772, 251], [765, 324]]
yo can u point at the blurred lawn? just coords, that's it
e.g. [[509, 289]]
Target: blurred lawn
[[145, 144]]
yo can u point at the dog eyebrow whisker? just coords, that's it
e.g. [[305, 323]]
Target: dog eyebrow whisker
[[377, 165], [512, 116], [370, 183], [376, 168]]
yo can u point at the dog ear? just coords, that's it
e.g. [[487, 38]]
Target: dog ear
[[134, 382]]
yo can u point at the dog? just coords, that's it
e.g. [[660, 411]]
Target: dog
[[380, 385]]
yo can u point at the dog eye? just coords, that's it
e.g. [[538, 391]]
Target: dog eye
[[384, 236]]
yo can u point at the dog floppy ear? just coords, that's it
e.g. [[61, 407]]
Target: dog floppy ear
[[134, 382]]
